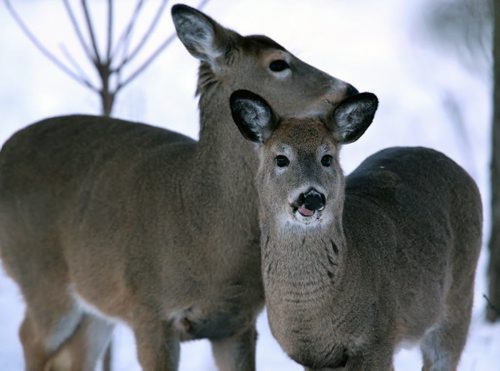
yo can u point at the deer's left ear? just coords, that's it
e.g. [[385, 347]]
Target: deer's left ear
[[203, 37], [253, 116], [353, 116]]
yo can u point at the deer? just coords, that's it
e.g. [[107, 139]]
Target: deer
[[356, 266], [104, 220]]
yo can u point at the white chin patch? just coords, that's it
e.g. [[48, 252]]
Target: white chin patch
[[306, 217]]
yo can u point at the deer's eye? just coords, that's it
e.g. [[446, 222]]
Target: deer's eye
[[326, 160], [282, 161], [278, 65]]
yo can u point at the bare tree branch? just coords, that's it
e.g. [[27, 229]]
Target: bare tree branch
[[124, 40], [493, 310], [45, 51], [491, 306], [148, 61], [146, 35], [75, 64], [110, 64], [152, 57], [90, 28], [110, 32], [77, 30]]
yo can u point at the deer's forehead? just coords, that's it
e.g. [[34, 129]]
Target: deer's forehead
[[261, 42], [304, 135], [263, 48]]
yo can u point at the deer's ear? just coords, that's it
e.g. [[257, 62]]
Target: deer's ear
[[253, 116], [353, 116], [203, 37]]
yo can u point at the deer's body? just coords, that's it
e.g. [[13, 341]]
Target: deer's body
[[404, 272], [102, 219], [354, 268]]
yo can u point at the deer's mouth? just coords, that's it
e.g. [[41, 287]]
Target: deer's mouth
[[308, 206], [305, 212], [304, 215]]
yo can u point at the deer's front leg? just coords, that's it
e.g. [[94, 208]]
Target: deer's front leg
[[236, 353], [158, 346]]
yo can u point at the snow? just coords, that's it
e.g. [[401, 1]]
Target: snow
[[375, 45]]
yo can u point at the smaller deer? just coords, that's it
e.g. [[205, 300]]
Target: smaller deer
[[355, 267]]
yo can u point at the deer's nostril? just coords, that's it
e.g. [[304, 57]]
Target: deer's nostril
[[313, 200]]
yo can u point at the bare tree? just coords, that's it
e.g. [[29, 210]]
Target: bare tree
[[493, 313], [462, 30], [110, 62], [465, 28]]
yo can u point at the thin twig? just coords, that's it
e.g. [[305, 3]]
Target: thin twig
[[148, 61], [124, 44], [491, 305], [74, 63], [146, 35], [90, 28], [124, 38], [77, 30], [44, 50], [152, 57], [110, 32]]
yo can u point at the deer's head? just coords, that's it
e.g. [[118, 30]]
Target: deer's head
[[300, 180], [256, 63]]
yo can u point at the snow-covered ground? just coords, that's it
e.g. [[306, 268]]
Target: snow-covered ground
[[375, 45]]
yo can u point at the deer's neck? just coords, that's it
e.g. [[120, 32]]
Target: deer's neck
[[303, 275], [221, 145], [222, 175], [302, 265]]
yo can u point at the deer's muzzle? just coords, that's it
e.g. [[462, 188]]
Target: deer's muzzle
[[309, 202]]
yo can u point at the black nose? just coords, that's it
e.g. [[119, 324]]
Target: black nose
[[350, 91], [313, 200]]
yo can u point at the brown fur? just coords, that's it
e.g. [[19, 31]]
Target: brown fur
[[102, 219], [389, 259]]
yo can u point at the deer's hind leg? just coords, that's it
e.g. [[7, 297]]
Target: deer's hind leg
[[442, 346], [44, 330], [33, 258], [60, 336], [56, 334], [84, 348]]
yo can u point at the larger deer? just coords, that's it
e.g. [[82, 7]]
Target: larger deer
[[354, 267], [102, 219]]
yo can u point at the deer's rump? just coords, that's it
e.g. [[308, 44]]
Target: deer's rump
[[418, 211]]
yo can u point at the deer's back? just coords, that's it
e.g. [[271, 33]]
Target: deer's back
[[72, 181], [416, 217], [67, 149], [53, 164], [416, 187]]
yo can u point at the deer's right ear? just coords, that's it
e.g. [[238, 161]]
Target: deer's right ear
[[353, 116], [203, 37], [253, 116]]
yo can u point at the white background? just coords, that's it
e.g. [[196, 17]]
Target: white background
[[377, 46]]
